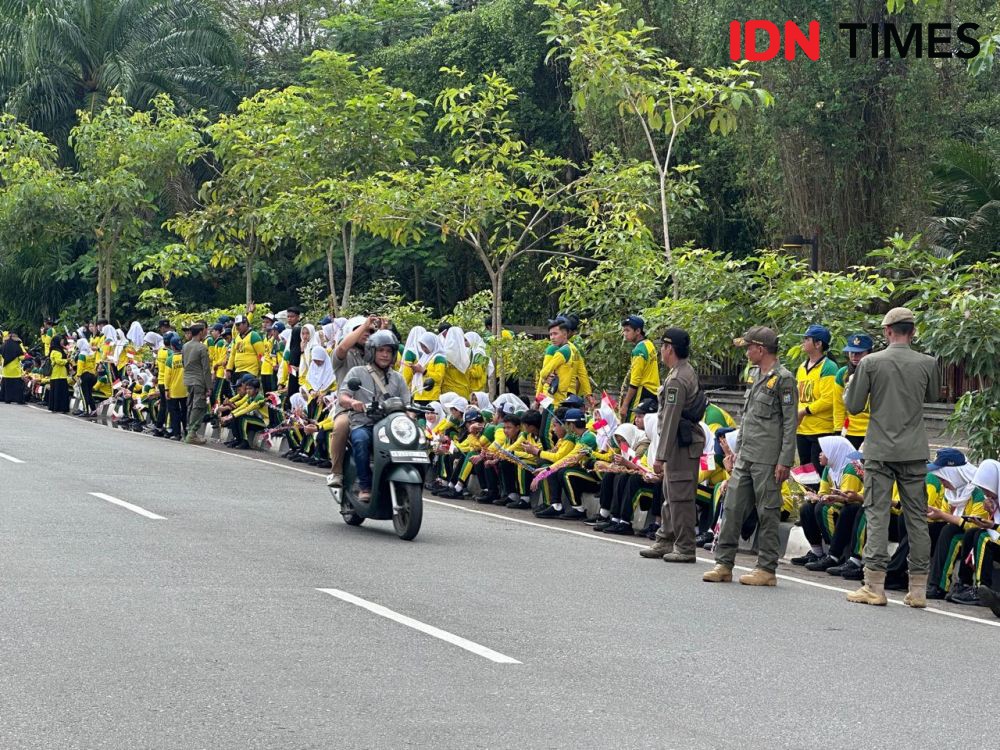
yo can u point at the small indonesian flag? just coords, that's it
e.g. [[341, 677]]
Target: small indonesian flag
[[806, 474], [707, 462], [546, 402], [608, 401]]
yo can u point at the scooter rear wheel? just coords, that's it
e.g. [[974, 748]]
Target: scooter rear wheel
[[406, 520]]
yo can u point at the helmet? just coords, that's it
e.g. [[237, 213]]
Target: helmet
[[376, 341]]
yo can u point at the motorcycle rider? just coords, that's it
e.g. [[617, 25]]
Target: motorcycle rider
[[377, 377]]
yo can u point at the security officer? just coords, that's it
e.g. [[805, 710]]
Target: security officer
[[765, 451], [898, 381], [681, 442]]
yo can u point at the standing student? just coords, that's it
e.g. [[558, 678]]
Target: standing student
[[293, 352], [176, 392], [58, 380], [765, 451], [678, 451], [816, 382], [643, 379], [86, 372], [11, 385], [859, 346], [898, 381]]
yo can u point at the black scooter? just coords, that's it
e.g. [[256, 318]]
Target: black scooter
[[399, 462]]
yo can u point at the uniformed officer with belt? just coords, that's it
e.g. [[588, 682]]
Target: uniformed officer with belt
[[897, 381], [678, 452], [765, 451]]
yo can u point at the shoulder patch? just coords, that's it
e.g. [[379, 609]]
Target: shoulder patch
[[786, 398], [771, 382], [670, 396]]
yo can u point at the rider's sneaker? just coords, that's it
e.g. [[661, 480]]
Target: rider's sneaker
[[364, 495], [335, 480]]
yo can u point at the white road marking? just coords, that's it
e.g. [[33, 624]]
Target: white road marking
[[13, 460], [127, 506], [444, 635], [593, 536]]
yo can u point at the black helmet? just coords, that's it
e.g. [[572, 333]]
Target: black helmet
[[376, 341]]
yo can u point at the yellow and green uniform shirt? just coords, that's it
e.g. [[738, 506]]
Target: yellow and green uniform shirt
[[246, 352], [13, 369], [717, 418], [175, 376], [856, 424], [561, 362], [58, 360], [849, 481], [434, 371], [816, 393], [581, 385], [644, 372]]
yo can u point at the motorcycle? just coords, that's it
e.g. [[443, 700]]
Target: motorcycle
[[399, 462]]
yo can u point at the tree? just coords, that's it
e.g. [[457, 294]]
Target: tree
[[57, 58], [42, 216], [343, 126], [663, 97], [127, 158], [498, 198], [969, 195]]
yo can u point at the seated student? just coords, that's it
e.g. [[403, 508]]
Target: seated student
[[852, 569], [987, 479], [839, 484], [467, 448], [709, 478], [444, 434], [965, 501], [250, 416], [574, 477], [497, 455], [565, 443], [618, 496], [516, 477], [489, 479]]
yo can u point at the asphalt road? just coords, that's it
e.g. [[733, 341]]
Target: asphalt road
[[209, 628]]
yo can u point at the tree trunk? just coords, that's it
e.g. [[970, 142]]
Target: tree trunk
[[250, 261], [331, 279], [349, 240], [665, 219], [416, 282]]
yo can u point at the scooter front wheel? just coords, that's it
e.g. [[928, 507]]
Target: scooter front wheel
[[408, 511]]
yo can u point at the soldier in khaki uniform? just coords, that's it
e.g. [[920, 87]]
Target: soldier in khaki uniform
[[765, 452], [898, 382], [680, 401]]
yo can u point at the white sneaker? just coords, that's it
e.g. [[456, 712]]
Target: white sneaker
[[334, 480]]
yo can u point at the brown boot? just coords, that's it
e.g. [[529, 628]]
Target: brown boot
[[759, 577], [873, 592], [917, 595], [656, 551], [679, 557], [719, 574]]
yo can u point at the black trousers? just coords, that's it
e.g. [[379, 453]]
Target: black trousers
[[808, 449], [161, 413], [87, 382], [178, 415]]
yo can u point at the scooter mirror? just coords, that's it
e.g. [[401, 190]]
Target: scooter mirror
[[353, 384]]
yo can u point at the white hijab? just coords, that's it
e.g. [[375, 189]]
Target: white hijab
[[320, 369], [298, 402], [136, 335], [109, 333], [154, 340], [351, 324], [651, 428], [456, 350], [451, 400], [604, 433], [412, 339], [83, 347], [121, 341], [509, 403], [477, 348], [433, 343], [962, 479], [836, 449], [988, 477], [482, 400], [631, 434], [709, 448]]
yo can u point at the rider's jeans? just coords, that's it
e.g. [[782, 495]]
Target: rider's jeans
[[361, 450]]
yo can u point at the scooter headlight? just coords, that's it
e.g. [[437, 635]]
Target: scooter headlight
[[403, 430]]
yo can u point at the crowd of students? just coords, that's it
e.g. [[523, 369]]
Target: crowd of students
[[279, 376]]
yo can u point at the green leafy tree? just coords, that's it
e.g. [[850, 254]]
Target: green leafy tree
[[608, 61], [43, 213], [57, 58], [343, 126], [497, 197], [127, 159]]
